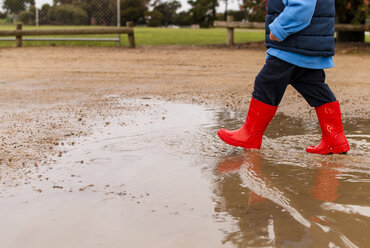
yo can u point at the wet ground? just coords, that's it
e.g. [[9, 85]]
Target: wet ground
[[52, 94], [164, 179]]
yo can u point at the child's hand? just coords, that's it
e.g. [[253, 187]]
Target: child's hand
[[272, 37]]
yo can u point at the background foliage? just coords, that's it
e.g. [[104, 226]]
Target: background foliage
[[158, 13]]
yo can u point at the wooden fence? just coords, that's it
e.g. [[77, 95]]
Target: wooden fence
[[19, 33], [230, 25]]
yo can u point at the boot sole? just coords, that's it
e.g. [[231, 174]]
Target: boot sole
[[232, 142], [342, 149]]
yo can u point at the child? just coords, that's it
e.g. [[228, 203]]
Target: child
[[300, 38]]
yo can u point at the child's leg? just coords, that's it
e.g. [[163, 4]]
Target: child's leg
[[269, 88], [272, 81], [311, 85]]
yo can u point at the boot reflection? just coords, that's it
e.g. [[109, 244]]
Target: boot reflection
[[233, 164], [252, 211], [327, 182], [266, 214], [326, 186], [263, 212]]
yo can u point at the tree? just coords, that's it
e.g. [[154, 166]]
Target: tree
[[134, 10], [183, 19], [100, 12], [16, 6], [226, 5], [351, 12], [57, 2], [226, 2], [167, 9], [203, 12], [28, 17], [44, 17], [156, 18], [67, 14], [255, 10], [239, 15]]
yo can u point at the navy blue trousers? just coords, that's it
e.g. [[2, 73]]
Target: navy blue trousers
[[276, 75]]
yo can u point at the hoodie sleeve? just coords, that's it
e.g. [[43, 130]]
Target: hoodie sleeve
[[296, 16]]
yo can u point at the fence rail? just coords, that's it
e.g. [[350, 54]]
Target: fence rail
[[102, 13], [19, 33], [352, 27], [230, 25]]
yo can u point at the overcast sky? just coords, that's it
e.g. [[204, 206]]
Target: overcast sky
[[185, 6]]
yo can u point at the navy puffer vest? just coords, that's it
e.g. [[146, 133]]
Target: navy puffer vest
[[315, 40]]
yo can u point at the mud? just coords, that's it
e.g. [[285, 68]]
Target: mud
[[52, 94], [169, 179], [96, 152]]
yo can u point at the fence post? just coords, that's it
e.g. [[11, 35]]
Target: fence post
[[230, 31], [18, 39], [131, 36], [37, 17], [119, 20]]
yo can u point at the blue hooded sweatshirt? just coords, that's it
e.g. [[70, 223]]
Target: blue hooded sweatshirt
[[295, 23]]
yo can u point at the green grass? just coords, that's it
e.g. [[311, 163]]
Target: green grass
[[186, 36], [149, 37]]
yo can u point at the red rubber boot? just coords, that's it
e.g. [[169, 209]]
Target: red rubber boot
[[333, 139], [250, 134]]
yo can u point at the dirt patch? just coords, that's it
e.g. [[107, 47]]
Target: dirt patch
[[51, 96]]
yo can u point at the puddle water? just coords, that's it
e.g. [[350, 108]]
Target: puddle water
[[166, 180]]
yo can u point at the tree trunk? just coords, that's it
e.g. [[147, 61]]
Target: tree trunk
[[226, 2], [350, 36], [213, 11]]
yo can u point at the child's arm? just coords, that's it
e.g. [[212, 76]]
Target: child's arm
[[296, 16]]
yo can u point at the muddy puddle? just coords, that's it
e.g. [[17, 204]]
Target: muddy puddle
[[160, 177]]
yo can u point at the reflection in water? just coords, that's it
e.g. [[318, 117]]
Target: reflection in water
[[172, 181], [326, 182], [256, 225], [348, 209], [271, 211]]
